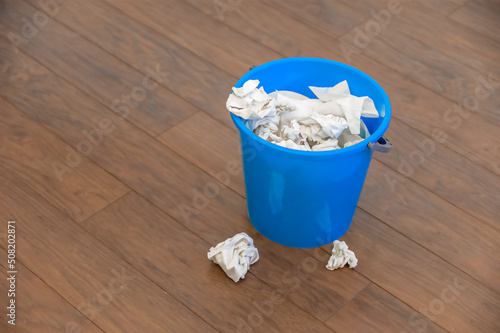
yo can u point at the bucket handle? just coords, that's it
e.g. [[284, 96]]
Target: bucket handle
[[382, 145]]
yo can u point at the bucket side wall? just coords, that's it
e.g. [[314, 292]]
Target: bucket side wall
[[301, 201]]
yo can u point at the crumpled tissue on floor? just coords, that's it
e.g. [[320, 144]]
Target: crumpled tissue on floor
[[235, 255], [341, 255]]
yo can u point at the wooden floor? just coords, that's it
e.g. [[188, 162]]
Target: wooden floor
[[113, 122]]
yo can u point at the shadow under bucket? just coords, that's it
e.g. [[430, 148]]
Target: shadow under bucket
[[307, 198]]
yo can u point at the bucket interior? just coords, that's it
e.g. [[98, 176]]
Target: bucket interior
[[297, 74]]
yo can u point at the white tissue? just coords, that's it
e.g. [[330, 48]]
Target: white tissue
[[247, 88], [289, 94], [313, 133], [341, 255], [292, 120], [235, 255], [368, 109], [331, 125], [332, 93], [332, 107], [347, 139], [352, 112], [248, 102], [329, 144]]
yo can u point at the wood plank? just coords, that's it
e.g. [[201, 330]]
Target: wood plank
[[324, 15], [146, 165], [439, 226], [161, 252], [126, 91], [454, 40], [30, 151], [434, 223], [425, 282], [439, 7], [38, 307], [468, 134], [465, 145], [411, 209], [432, 69], [159, 175], [152, 170], [394, 261], [255, 19], [306, 281], [469, 187], [482, 16], [428, 112], [191, 77], [443, 7], [331, 17], [375, 310], [86, 273], [131, 155], [208, 38], [214, 148]]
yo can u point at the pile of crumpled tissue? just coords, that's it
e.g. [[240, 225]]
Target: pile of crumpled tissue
[[341, 255], [295, 121], [235, 255]]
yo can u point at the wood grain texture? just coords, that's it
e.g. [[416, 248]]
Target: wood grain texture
[[443, 7], [331, 17], [176, 259], [415, 20], [455, 236], [39, 308], [255, 19], [469, 187], [122, 150], [168, 181], [460, 42], [130, 93], [482, 16], [375, 310], [466, 133], [472, 90], [91, 277], [409, 208], [165, 184], [30, 152], [144, 47], [204, 36], [220, 148], [416, 212], [427, 283]]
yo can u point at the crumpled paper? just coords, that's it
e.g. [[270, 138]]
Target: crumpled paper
[[347, 139], [248, 102], [292, 120], [341, 255], [235, 255]]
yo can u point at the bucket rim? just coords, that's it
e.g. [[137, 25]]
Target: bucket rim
[[374, 137]]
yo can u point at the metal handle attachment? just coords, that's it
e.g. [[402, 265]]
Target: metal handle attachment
[[382, 145]]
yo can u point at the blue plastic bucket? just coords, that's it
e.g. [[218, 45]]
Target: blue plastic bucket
[[308, 198]]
